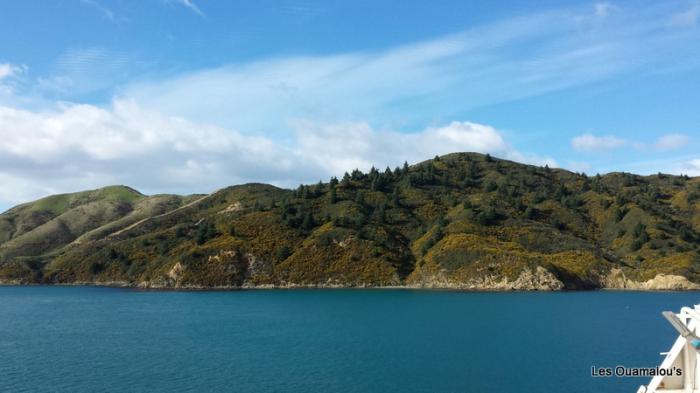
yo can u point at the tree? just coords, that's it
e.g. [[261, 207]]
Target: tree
[[395, 200], [308, 221], [487, 217], [381, 213], [180, 231], [346, 180], [356, 174], [205, 231], [332, 196], [488, 157]]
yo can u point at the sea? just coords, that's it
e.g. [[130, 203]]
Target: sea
[[92, 339]]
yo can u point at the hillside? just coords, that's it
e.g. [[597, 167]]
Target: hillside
[[463, 220], [44, 227]]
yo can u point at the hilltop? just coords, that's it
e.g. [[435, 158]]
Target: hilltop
[[463, 220]]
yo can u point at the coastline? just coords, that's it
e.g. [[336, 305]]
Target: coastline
[[193, 288]]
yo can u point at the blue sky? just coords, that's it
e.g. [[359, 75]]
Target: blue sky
[[192, 95]]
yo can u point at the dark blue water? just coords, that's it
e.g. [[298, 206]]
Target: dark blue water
[[78, 339]]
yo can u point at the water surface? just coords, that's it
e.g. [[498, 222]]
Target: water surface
[[80, 339]]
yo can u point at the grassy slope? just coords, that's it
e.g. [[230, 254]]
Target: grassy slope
[[459, 217], [35, 230]]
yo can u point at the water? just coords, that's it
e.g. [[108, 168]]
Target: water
[[81, 339]]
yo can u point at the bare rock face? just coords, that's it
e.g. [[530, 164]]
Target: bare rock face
[[232, 208], [669, 282], [616, 279], [538, 279], [176, 272], [258, 269]]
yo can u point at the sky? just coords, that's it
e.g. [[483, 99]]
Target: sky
[[189, 96]]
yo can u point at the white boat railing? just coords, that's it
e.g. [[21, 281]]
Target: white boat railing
[[683, 355]]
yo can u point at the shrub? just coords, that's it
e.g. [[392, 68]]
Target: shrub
[[283, 253]]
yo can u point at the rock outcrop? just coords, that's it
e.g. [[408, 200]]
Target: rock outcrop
[[616, 279]]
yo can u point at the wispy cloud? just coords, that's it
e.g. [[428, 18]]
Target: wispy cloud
[[9, 74], [80, 71], [592, 143], [603, 9], [436, 79], [671, 141], [192, 6], [688, 17], [106, 12]]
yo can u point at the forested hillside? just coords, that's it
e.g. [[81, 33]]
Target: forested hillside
[[463, 220]]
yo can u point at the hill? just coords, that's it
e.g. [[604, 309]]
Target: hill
[[462, 220]]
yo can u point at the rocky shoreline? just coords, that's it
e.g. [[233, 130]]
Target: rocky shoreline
[[538, 281]]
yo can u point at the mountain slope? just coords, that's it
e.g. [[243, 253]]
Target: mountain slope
[[45, 226], [463, 220]]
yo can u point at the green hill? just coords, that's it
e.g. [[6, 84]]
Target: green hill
[[463, 220], [39, 229]]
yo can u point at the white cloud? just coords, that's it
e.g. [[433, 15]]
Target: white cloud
[[79, 147], [9, 76], [7, 70], [692, 167], [592, 143], [671, 141], [341, 147]]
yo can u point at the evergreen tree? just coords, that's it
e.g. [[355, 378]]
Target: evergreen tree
[[308, 222], [333, 198], [395, 200]]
